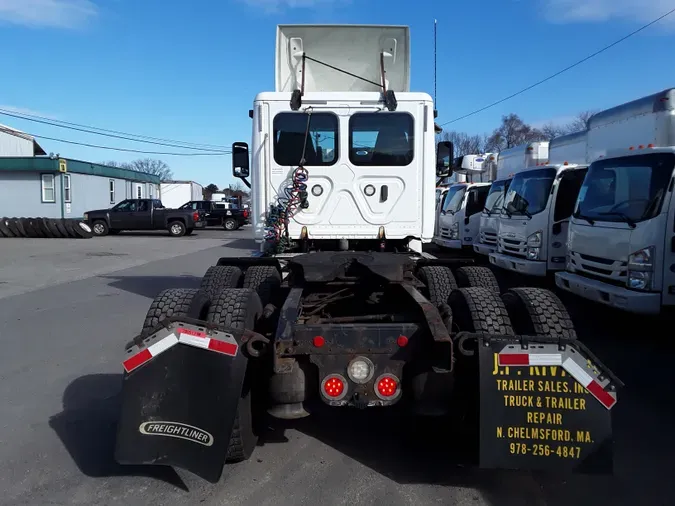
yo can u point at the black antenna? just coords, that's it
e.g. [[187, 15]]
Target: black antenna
[[435, 103]]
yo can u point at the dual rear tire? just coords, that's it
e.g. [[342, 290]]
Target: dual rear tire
[[472, 294]]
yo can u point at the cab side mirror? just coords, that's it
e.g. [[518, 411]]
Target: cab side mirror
[[444, 157], [240, 161]]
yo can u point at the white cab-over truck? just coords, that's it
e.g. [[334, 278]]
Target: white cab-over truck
[[502, 167], [535, 214], [621, 239], [352, 315], [458, 215]]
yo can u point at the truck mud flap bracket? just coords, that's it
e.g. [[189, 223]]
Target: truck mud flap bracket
[[180, 394], [544, 405]]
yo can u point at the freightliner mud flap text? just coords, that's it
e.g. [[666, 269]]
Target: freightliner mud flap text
[[544, 405], [180, 394]]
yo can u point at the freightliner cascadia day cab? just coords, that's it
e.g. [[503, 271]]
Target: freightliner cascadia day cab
[[459, 213], [622, 233], [535, 215], [502, 167], [341, 310]]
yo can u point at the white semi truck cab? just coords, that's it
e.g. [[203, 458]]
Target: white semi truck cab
[[460, 207], [622, 233], [537, 206], [344, 156]]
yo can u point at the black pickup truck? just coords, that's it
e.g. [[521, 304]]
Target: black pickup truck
[[220, 214], [144, 214]]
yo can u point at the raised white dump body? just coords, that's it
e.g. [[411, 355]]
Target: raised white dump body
[[534, 217], [371, 171], [622, 233]]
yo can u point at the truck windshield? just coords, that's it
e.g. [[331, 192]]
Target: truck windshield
[[628, 189], [529, 191], [495, 198], [453, 199]]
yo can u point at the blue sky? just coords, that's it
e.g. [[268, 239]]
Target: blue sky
[[189, 70]]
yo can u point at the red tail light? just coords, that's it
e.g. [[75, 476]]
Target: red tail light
[[195, 216], [245, 213], [387, 387], [334, 387]]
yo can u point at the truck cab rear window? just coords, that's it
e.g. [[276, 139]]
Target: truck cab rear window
[[318, 138], [381, 138]]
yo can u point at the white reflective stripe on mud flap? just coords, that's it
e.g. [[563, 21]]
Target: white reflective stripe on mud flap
[[199, 342], [545, 359], [577, 372], [163, 345]]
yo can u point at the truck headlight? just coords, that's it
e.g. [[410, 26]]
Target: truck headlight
[[533, 253], [534, 240], [640, 269], [639, 280], [454, 231]]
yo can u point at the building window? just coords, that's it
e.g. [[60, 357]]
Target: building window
[[67, 193], [48, 192], [139, 191], [112, 191]]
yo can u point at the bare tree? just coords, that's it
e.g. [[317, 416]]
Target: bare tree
[[154, 167], [551, 131], [119, 165], [580, 122], [512, 132], [147, 165], [465, 144]]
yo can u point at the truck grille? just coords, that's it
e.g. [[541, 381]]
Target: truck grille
[[512, 247], [445, 232], [488, 237], [604, 269]]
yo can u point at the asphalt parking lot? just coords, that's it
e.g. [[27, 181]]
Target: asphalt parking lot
[[62, 335], [30, 264]]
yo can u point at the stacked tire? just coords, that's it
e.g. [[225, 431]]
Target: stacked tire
[[44, 228]]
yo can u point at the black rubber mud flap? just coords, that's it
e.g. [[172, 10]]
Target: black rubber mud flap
[[544, 405], [179, 397]]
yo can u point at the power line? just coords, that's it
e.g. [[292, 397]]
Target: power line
[[563, 70], [114, 149], [182, 144], [45, 122]]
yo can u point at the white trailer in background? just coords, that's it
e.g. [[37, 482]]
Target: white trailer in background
[[622, 233], [501, 168], [176, 193], [537, 207]]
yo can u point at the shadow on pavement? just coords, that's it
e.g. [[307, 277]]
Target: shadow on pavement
[[150, 286], [242, 243], [87, 428]]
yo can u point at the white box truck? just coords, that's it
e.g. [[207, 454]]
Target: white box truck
[[458, 215], [176, 193], [502, 167], [537, 207], [621, 242]]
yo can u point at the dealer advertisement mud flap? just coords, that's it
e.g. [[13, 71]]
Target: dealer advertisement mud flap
[[544, 405], [180, 394]]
